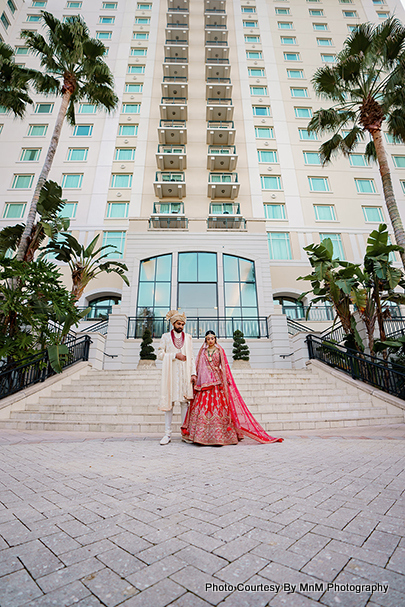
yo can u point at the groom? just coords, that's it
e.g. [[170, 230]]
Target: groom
[[178, 371]]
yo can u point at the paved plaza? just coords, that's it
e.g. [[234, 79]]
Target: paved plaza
[[92, 520]]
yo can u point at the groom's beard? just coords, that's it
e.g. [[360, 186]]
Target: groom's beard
[[178, 330]]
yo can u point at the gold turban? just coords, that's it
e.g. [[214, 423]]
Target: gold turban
[[174, 315]]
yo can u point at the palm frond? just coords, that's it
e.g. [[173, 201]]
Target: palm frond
[[396, 123], [10, 237], [330, 148], [370, 152]]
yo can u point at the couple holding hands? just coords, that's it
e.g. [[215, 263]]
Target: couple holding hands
[[213, 411]]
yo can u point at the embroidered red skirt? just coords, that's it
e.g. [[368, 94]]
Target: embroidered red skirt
[[208, 420]]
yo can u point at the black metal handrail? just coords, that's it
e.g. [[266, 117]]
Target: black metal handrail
[[37, 368], [295, 327], [334, 333], [253, 327], [98, 327], [384, 375]]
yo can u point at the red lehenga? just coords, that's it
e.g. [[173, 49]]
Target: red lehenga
[[218, 414]]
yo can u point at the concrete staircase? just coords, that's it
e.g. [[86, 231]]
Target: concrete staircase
[[126, 401]]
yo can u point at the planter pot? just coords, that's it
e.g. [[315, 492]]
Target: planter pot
[[146, 364], [241, 364]]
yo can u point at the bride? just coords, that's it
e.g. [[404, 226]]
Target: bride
[[218, 414]]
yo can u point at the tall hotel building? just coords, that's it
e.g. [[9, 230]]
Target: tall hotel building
[[205, 178]]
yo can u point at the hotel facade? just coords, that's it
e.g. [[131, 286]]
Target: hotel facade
[[205, 178]]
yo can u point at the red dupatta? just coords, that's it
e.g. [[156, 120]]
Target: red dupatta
[[210, 375]]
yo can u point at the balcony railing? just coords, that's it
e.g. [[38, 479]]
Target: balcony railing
[[222, 149], [223, 178], [224, 208], [174, 79], [174, 100], [226, 223], [216, 43], [216, 60], [215, 26], [175, 41], [171, 149], [168, 208], [176, 60], [252, 327], [169, 176], [220, 124], [177, 25], [219, 80], [221, 101], [177, 9], [215, 10], [165, 222], [172, 124]]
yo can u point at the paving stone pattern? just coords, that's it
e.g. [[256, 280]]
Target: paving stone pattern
[[107, 522]]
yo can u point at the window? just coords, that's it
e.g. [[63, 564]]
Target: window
[[128, 130], [143, 7], [248, 9], [254, 55], [292, 57], [72, 180], [263, 132], [43, 108], [295, 74], [358, 160], [109, 20], [197, 283], [123, 154], [285, 25], [21, 50], [279, 245], [250, 24], [141, 36], [258, 90], [399, 162], [403, 186], [373, 214], [22, 182], [138, 52], [324, 212], [270, 182], [110, 5], [305, 136], [38, 3], [133, 88], [104, 35], [324, 41], [34, 18], [274, 211], [5, 20], [318, 184], [256, 72], [69, 210], [378, 2], [269, 156], [282, 11], [117, 210], [87, 108], [312, 158], [315, 12], [117, 240], [37, 130], [77, 154], [74, 5], [337, 244], [11, 6], [240, 295], [83, 130], [261, 110], [383, 15], [350, 14], [291, 40], [155, 286], [391, 139], [365, 186], [14, 210], [121, 180], [303, 112], [320, 27], [328, 58], [136, 69], [252, 39], [131, 108], [142, 20], [299, 92], [30, 154]]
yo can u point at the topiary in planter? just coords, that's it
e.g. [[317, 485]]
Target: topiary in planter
[[240, 348], [147, 350]]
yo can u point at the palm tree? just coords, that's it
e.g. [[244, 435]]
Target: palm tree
[[72, 66], [13, 82], [367, 87]]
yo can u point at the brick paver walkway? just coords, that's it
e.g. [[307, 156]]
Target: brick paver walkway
[[94, 520]]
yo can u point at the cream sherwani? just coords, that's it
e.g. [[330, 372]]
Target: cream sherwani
[[176, 374]]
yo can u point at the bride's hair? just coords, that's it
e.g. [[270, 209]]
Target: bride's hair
[[210, 333]]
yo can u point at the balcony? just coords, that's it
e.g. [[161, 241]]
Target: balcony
[[220, 132], [175, 53], [177, 34], [171, 157], [176, 41], [218, 90], [177, 19], [215, 20], [222, 158], [214, 53], [178, 5], [216, 37], [174, 89], [219, 109], [168, 216], [223, 185], [173, 108], [225, 216], [214, 5], [219, 71], [173, 132], [175, 68], [169, 185]]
